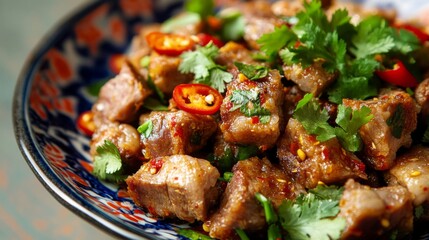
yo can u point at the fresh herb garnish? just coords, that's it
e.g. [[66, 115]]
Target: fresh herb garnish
[[310, 216], [146, 128], [272, 43], [344, 49], [315, 121], [232, 25], [425, 138], [94, 89], [203, 8], [185, 19], [242, 234], [252, 72], [154, 104], [396, 121], [108, 163], [201, 63], [193, 235], [249, 103], [270, 217], [227, 176]]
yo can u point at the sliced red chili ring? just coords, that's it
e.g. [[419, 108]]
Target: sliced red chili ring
[[205, 39], [197, 98], [399, 76], [169, 44], [85, 123]]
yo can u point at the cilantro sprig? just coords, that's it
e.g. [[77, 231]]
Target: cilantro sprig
[[108, 163], [252, 72], [344, 49], [309, 216], [201, 63], [313, 215], [249, 103], [315, 121]]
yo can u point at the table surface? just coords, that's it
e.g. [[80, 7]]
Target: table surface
[[27, 210]]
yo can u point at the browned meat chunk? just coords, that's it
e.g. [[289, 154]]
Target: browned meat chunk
[[121, 98], [313, 79], [251, 130], [309, 161], [125, 137], [259, 19], [395, 118], [412, 172], [176, 132], [371, 213], [421, 94], [234, 52], [239, 208], [176, 186], [139, 47], [165, 74]]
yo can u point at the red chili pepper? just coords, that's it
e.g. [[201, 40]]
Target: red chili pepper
[[197, 98], [85, 123], [398, 76], [207, 38], [420, 34], [169, 44]]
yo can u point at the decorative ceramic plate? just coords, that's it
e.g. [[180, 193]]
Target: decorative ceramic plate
[[53, 90]]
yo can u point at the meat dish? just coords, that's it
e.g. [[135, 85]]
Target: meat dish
[[260, 120]]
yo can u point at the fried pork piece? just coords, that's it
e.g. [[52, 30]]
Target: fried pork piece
[[239, 208], [309, 161], [313, 79], [176, 186], [121, 97], [240, 129], [234, 52], [259, 19], [395, 118], [125, 137], [177, 132], [371, 213], [412, 171], [165, 73]]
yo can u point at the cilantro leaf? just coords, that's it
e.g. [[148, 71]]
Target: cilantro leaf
[[272, 43], [201, 63], [312, 217], [203, 8], [350, 122], [373, 37], [146, 128], [233, 24], [249, 104], [252, 72], [108, 163], [315, 121]]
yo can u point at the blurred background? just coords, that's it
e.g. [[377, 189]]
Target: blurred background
[[27, 210]]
